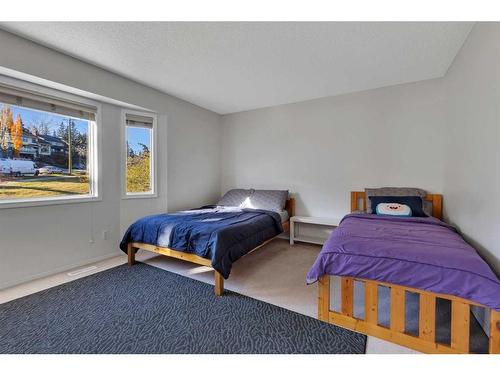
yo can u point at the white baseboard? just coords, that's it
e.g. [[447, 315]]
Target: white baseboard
[[64, 268]]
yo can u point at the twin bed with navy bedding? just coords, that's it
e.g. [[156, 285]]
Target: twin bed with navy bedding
[[214, 236], [397, 241]]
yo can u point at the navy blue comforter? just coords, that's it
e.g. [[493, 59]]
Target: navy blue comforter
[[221, 234]]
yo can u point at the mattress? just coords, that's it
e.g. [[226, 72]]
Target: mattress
[[284, 216]]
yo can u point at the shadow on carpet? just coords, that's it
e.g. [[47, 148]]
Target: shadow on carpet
[[144, 309]]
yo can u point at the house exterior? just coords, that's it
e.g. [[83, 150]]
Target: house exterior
[[36, 147], [55, 144]]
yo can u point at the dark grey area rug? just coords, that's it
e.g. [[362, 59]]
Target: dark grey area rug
[[144, 309]]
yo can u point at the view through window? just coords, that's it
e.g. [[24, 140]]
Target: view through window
[[42, 154], [139, 136]]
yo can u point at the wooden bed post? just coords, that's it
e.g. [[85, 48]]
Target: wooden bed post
[[460, 326], [324, 298], [347, 296], [219, 284], [495, 332], [131, 254], [371, 302], [398, 308], [427, 319]]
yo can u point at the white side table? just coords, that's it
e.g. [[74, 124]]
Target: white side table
[[323, 221]]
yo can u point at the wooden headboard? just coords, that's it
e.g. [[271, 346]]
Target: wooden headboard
[[290, 206], [435, 199]]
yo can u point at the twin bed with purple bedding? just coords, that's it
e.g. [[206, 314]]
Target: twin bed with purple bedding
[[419, 252]]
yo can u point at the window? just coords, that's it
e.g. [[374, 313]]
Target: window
[[47, 148], [139, 154]]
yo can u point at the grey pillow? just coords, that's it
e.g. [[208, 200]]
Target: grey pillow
[[397, 192], [235, 197], [272, 200]]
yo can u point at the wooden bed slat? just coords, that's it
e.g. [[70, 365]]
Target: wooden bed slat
[[286, 226], [389, 335], [460, 326], [398, 309], [347, 295], [495, 332], [356, 197], [420, 291], [290, 206], [437, 204], [193, 258], [427, 317], [324, 298], [371, 302]]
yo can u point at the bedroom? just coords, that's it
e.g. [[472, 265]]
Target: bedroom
[[273, 132]]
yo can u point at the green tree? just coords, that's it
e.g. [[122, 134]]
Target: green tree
[[138, 172], [41, 127], [79, 141], [145, 150], [130, 151]]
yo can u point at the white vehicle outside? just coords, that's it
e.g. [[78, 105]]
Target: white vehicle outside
[[15, 167], [4, 166], [49, 169]]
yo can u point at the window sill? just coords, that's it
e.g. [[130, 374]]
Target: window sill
[[140, 196], [48, 201]]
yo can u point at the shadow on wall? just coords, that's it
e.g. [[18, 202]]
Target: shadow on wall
[[483, 252], [300, 207], [487, 256]]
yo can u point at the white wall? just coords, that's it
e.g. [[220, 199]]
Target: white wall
[[37, 241], [472, 159], [441, 135], [322, 149]]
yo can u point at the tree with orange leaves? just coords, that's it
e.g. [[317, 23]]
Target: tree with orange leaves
[[17, 135]]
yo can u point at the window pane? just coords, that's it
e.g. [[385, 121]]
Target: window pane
[[42, 154], [138, 159]]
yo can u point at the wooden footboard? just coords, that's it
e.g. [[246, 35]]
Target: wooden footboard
[[134, 246], [425, 341]]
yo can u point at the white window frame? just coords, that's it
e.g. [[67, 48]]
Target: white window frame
[[153, 193], [94, 152]]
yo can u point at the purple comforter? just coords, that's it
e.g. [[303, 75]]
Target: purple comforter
[[422, 253]]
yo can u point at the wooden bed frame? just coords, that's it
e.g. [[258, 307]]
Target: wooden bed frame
[[189, 257], [425, 341]]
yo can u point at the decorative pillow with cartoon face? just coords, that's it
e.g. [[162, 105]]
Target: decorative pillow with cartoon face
[[393, 209], [415, 205]]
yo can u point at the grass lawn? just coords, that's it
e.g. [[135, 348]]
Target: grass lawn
[[43, 187]]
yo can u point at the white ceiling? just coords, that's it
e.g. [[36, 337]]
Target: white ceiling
[[232, 67]]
